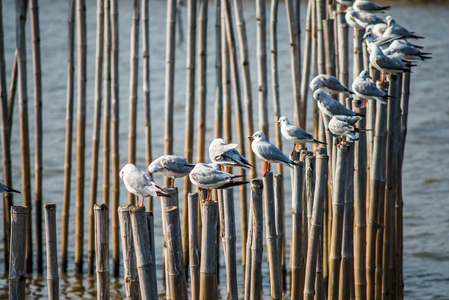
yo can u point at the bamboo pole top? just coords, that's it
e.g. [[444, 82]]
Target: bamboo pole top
[[136, 209], [50, 206], [124, 208], [321, 152], [171, 209], [102, 207], [19, 210], [257, 184]]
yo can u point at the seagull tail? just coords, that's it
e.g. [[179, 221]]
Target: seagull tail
[[385, 7], [162, 194], [352, 136], [231, 184], [416, 37], [10, 190], [318, 142], [380, 100]]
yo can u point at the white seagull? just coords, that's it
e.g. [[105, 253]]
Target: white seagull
[[226, 155], [295, 133], [382, 63], [139, 183], [268, 152], [5, 189], [329, 84], [171, 166], [343, 126], [368, 90], [329, 106], [367, 6], [395, 28]]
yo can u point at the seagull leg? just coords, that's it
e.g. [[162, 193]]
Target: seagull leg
[[172, 180], [365, 101], [267, 169], [291, 152]]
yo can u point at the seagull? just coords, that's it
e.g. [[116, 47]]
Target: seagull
[[364, 19], [368, 90], [343, 126], [207, 177], [268, 152], [395, 28], [5, 189], [226, 155], [171, 166], [367, 6], [382, 63], [329, 84], [351, 17], [376, 29], [347, 3], [139, 183], [405, 51], [384, 42], [329, 106], [295, 134]]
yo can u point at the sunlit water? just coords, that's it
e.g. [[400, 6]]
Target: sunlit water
[[426, 214]]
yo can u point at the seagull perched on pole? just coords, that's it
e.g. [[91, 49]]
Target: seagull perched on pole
[[329, 84], [329, 106], [171, 166], [344, 126], [368, 90], [295, 133], [226, 155]]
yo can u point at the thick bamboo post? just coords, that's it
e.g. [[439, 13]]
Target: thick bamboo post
[[270, 227], [307, 53], [150, 224], [52, 251], [35, 35], [193, 246], [107, 104], [21, 8], [189, 123], [102, 249], [96, 133], [202, 80], [262, 65], [316, 224], [144, 261], [279, 226], [320, 16], [129, 256], [17, 261], [68, 136], [329, 41], [255, 186], [360, 157], [81, 133], [208, 286], [174, 249], [299, 102], [338, 207], [358, 52], [257, 242], [247, 88], [230, 239], [343, 50]]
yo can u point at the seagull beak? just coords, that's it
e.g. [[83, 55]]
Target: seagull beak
[[250, 138], [370, 77], [362, 39], [280, 125]]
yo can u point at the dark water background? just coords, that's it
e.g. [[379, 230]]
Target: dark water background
[[426, 166]]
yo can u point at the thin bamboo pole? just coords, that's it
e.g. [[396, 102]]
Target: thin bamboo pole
[[17, 268], [270, 227], [226, 76], [6, 145], [107, 106], [35, 35], [257, 242], [316, 226], [329, 41], [299, 102], [21, 8], [208, 286], [255, 186], [102, 249], [262, 65], [96, 134], [320, 16], [52, 251], [202, 80], [279, 224], [343, 51], [68, 136], [115, 136], [247, 88], [133, 85], [193, 246], [218, 106], [129, 255], [338, 208], [307, 53], [81, 133], [230, 240], [150, 225], [144, 259], [189, 125], [12, 91]]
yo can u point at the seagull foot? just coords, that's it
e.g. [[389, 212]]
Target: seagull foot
[[364, 104]]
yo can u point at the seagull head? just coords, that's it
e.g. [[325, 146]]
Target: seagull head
[[319, 95], [217, 142], [364, 74], [368, 37], [257, 136], [127, 168], [316, 83], [283, 120], [390, 21]]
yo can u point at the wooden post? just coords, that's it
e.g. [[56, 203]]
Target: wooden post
[[68, 136], [338, 207], [307, 53], [316, 224], [102, 250], [320, 16], [202, 80], [225, 76], [115, 137], [257, 242], [193, 246], [174, 249], [21, 8], [150, 224], [17, 267], [255, 186], [262, 65], [131, 278], [218, 106], [270, 227], [343, 51], [107, 105], [144, 261], [52, 251], [96, 134], [208, 287], [279, 225]]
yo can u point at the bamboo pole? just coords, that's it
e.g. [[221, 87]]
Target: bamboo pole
[[316, 226], [320, 16], [12, 92], [270, 227], [129, 255], [68, 136], [218, 106], [262, 65], [144, 261], [35, 35], [107, 106], [52, 251], [230, 241], [338, 208], [279, 224], [247, 88], [343, 51], [208, 286], [202, 80], [193, 246], [96, 134], [6, 145], [329, 41], [225, 75], [102, 249], [299, 102], [174, 249], [81, 133], [17, 268], [189, 125], [255, 186], [307, 53], [150, 225], [257, 242], [115, 136]]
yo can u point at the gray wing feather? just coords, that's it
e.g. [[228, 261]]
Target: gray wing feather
[[209, 176], [299, 133], [177, 164], [270, 152]]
